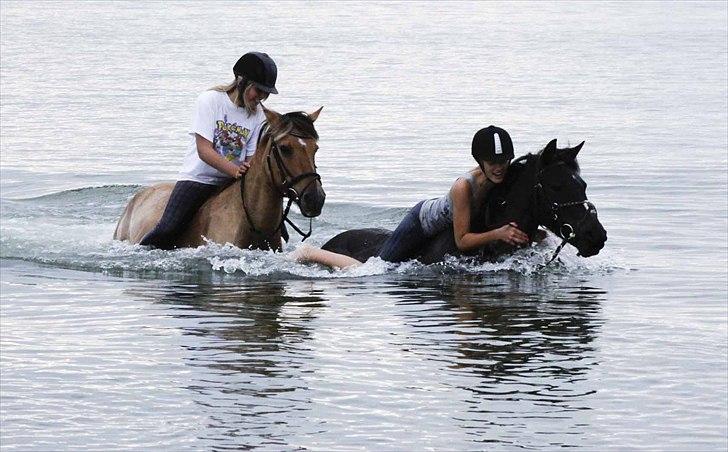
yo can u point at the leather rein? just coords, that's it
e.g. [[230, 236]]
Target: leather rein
[[286, 189]]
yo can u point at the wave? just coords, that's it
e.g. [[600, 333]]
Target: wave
[[73, 229], [104, 203], [125, 259], [83, 193]]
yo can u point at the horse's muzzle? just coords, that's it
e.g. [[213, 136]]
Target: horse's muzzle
[[590, 238], [312, 200]]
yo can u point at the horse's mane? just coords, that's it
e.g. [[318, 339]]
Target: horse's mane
[[528, 162], [515, 189], [515, 171], [295, 122]]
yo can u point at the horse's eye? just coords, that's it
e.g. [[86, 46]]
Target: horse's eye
[[286, 150]]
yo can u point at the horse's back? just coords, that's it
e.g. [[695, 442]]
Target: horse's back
[[143, 212], [361, 244]]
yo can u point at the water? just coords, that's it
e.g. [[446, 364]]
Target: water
[[107, 345]]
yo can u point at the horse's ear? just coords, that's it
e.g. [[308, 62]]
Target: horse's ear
[[569, 154], [272, 117], [548, 155], [314, 115]]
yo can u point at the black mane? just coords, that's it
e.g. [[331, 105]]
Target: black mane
[[301, 124], [297, 123], [512, 194]]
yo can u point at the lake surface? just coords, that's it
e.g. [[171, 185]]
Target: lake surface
[[107, 346]]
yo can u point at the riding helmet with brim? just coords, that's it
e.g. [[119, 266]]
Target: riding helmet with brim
[[260, 69], [492, 144]]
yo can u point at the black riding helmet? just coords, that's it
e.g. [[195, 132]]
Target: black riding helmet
[[492, 144], [259, 68]]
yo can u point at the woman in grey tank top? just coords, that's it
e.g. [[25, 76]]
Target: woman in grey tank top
[[492, 148]]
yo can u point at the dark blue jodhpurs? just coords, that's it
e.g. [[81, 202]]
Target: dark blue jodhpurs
[[186, 199], [407, 240]]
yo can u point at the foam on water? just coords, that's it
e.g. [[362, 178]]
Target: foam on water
[[79, 249], [73, 229]]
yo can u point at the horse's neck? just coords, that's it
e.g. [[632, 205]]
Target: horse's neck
[[519, 201], [223, 218], [262, 199]]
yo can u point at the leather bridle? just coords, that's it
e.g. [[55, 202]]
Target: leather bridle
[[565, 230], [286, 188]]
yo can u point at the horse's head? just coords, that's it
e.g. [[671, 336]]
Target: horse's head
[[562, 203], [292, 141]]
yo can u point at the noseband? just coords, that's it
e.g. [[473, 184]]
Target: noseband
[[566, 231], [286, 188]]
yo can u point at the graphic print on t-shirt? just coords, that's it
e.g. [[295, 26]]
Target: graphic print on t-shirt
[[229, 139]]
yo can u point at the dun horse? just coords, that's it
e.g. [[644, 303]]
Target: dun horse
[[543, 189], [249, 212]]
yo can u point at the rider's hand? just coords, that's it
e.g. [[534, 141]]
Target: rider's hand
[[512, 235], [242, 169]]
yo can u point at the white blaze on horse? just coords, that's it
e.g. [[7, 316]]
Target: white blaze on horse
[[248, 213]]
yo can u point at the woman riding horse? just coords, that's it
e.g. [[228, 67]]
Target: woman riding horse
[[224, 136], [249, 212], [542, 189], [492, 149]]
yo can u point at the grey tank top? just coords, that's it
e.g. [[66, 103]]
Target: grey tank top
[[436, 213]]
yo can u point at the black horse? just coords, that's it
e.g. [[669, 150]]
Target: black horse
[[543, 189]]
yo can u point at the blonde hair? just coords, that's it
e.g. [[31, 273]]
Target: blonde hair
[[240, 98]]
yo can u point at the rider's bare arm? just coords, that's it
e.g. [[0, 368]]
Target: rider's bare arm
[[467, 240], [208, 155], [311, 254]]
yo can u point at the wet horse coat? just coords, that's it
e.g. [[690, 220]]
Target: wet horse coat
[[543, 189], [248, 213]]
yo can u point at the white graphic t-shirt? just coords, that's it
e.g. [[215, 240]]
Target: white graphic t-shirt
[[234, 135]]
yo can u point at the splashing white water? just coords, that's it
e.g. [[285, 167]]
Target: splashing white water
[[528, 261], [67, 242], [259, 263]]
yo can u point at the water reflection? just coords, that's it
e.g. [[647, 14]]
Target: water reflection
[[522, 348], [505, 330], [395, 362], [246, 345]]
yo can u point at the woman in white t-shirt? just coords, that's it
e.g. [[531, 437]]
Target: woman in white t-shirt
[[223, 138]]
